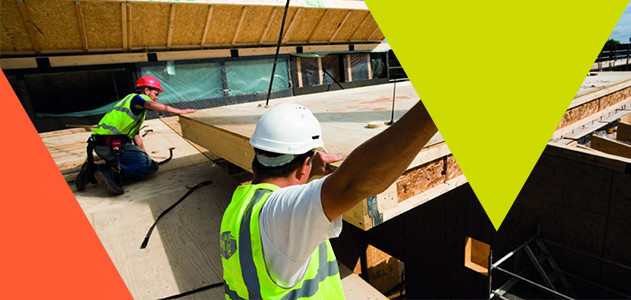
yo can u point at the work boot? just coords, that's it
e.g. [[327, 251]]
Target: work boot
[[105, 176], [85, 176]]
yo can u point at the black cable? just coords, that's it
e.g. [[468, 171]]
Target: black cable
[[280, 38], [146, 240], [327, 73], [197, 290]]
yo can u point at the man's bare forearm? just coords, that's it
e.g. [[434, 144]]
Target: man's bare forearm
[[377, 163]]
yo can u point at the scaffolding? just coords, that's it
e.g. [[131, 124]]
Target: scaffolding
[[554, 279]]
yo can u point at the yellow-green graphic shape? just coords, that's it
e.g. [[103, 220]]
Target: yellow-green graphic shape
[[496, 77]]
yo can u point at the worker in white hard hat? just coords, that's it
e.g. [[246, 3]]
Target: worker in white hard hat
[[274, 234]]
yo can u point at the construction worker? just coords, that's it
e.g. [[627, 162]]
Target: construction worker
[[274, 233], [117, 141]]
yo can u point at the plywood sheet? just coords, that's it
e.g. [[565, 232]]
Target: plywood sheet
[[100, 17], [14, 34], [150, 24], [254, 24], [56, 25], [189, 24], [183, 251]]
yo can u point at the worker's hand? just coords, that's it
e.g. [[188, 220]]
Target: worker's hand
[[187, 111], [319, 162]]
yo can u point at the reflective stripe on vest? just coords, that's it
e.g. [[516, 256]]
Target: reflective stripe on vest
[[257, 281], [121, 120]]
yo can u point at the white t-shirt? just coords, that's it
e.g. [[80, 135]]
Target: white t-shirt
[[293, 224]]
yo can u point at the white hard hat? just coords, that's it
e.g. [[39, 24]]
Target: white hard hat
[[288, 128]]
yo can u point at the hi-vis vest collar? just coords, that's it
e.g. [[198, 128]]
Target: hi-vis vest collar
[[245, 272]]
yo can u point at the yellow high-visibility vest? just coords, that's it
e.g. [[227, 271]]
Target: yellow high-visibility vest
[[244, 270]]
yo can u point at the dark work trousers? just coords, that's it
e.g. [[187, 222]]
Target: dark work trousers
[[134, 162]]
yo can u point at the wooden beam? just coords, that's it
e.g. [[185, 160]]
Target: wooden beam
[[171, 25], [339, 26], [126, 23], [299, 71], [361, 25], [624, 132], [207, 26], [30, 27], [320, 73], [292, 24], [266, 51], [193, 54], [18, 63], [269, 23], [610, 146], [369, 64], [97, 59], [309, 39], [236, 33], [81, 23], [349, 70]]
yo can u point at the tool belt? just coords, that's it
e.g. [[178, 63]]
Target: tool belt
[[110, 140]]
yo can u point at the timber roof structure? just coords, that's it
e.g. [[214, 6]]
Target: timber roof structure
[[44, 27]]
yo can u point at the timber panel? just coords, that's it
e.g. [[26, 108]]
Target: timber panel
[[56, 27], [103, 17], [344, 116]]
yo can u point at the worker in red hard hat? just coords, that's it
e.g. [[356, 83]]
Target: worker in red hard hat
[[116, 139]]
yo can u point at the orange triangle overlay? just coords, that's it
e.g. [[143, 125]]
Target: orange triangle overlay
[[49, 248]]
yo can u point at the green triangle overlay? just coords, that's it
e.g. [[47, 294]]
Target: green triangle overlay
[[496, 77]]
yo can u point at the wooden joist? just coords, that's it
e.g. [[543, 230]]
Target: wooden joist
[[610, 146]]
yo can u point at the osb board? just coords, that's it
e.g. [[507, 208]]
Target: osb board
[[14, 35], [419, 179], [328, 26], [302, 29], [56, 25], [578, 113], [370, 32], [255, 23], [102, 17], [183, 251], [453, 169], [223, 24], [150, 24], [57, 29], [188, 27], [351, 24]]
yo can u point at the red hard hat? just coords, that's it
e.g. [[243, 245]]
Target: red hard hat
[[149, 81]]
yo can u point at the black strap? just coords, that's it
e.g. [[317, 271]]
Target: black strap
[[146, 240]]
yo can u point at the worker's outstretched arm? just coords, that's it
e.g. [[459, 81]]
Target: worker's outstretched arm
[[373, 166], [157, 106]]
